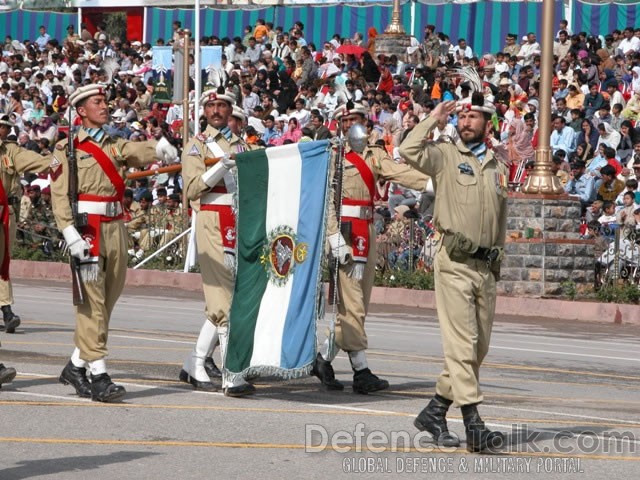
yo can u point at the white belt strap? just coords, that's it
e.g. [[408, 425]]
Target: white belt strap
[[212, 198], [106, 209], [356, 211]]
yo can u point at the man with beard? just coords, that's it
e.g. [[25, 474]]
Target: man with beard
[[471, 213]]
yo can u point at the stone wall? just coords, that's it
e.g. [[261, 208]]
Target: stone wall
[[538, 266]]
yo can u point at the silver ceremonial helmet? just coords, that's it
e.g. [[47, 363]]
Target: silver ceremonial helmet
[[357, 137]]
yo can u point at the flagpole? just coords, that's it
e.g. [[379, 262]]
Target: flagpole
[[198, 70], [185, 89]]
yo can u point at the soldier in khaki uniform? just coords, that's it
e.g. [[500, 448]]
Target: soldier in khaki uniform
[[15, 161], [357, 255], [7, 374], [101, 246], [210, 190], [470, 213]]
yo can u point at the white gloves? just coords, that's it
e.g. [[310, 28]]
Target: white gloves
[[339, 248], [78, 247], [228, 162], [212, 176]]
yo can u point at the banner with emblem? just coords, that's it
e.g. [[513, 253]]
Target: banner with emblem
[[213, 75], [282, 203], [162, 66]]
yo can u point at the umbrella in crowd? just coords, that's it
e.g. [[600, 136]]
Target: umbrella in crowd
[[351, 50]]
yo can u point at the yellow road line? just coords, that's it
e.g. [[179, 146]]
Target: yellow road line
[[288, 446]]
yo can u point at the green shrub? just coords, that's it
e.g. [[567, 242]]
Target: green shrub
[[627, 293], [416, 280]]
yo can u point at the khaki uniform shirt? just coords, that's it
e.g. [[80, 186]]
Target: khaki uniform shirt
[[474, 205], [14, 161], [196, 153], [91, 178], [383, 167]]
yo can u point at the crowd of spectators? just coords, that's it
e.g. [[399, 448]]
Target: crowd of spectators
[[289, 89]]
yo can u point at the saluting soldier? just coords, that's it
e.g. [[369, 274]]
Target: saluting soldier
[[210, 190], [101, 246], [16, 160], [471, 213], [357, 255]]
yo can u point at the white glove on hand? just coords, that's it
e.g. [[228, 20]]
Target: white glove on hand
[[228, 162], [78, 247], [339, 248], [212, 176]]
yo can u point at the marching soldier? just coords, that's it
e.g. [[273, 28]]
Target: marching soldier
[[16, 160], [471, 214], [101, 245], [210, 189], [357, 255]]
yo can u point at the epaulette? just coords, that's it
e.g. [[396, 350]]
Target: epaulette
[[202, 137], [62, 144]]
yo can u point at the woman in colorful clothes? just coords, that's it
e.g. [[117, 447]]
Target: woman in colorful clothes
[[519, 149]]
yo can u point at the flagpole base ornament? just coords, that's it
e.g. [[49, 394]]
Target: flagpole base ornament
[[396, 25], [542, 179]]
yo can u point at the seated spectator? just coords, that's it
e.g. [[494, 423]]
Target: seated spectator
[[611, 186], [581, 184], [608, 213], [625, 216]]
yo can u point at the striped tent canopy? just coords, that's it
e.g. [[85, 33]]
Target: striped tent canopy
[[458, 20], [601, 19]]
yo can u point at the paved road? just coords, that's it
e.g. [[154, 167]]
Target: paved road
[[567, 393]]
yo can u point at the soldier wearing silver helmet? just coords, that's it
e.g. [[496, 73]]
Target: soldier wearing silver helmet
[[364, 164]]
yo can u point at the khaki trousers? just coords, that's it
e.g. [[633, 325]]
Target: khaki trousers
[[217, 279], [466, 299], [354, 296], [92, 318], [6, 289]]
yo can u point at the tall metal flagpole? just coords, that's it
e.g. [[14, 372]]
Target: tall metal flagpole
[[185, 90], [197, 60], [542, 179]]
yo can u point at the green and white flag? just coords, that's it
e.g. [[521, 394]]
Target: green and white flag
[[282, 203]]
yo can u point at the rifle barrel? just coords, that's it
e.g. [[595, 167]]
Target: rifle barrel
[[170, 169]]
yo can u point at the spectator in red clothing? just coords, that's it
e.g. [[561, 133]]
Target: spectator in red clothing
[[610, 155]]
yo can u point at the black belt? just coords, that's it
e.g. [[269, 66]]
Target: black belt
[[488, 255]]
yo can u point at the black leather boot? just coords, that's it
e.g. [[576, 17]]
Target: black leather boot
[[479, 437], [365, 382], [11, 320], [7, 374], [197, 384], [77, 378], [324, 371], [104, 390], [433, 420], [240, 390], [210, 367]]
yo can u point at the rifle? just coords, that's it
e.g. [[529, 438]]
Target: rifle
[[345, 228], [79, 220], [170, 169]]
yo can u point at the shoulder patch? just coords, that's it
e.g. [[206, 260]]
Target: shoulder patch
[[55, 169], [60, 146], [195, 151], [202, 137]]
